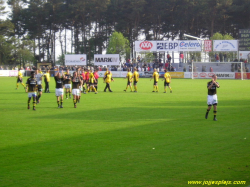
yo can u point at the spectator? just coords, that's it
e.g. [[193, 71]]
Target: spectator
[[225, 57], [221, 57], [181, 57], [245, 62], [169, 58], [217, 58]]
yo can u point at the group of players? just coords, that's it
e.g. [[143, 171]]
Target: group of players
[[81, 82], [88, 81], [135, 76]]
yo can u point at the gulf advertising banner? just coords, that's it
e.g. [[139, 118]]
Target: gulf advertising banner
[[190, 45], [75, 59], [225, 45], [145, 46], [108, 59], [177, 74], [245, 75]]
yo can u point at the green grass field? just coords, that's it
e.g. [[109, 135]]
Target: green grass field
[[127, 139]]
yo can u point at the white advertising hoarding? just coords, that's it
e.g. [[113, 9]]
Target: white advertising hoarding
[[167, 45], [145, 46], [75, 59], [108, 59], [225, 45], [244, 54], [190, 45], [9, 73]]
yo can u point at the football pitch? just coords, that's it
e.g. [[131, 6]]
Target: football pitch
[[125, 139]]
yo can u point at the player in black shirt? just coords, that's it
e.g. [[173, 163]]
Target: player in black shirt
[[59, 89], [76, 82], [67, 84], [212, 96], [31, 88]]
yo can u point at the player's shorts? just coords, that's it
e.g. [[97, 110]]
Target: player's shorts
[[155, 82], [212, 100], [59, 92], [166, 83], [91, 83], [67, 86], [39, 88], [19, 80], [135, 83], [76, 92], [31, 94], [80, 88], [128, 83]]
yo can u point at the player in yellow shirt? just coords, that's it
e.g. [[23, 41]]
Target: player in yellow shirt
[[156, 78], [108, 78], [167, 78], [19, 79], [129, 79], [92, 81], [136, 78]]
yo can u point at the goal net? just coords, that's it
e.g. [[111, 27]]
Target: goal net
[[223, 70]]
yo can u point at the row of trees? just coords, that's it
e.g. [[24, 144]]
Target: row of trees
[[90, 23]]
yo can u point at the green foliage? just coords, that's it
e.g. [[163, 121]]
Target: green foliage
[[118, 44], [108, 140], [219, 36]]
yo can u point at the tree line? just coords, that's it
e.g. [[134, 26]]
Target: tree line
[[35, 25]]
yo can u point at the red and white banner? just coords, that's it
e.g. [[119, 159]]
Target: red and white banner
[[207, 45]]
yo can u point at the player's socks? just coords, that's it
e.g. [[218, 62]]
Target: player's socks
[[96, 87], [131, 88], [23, 85], [17, 85], [34, 105], [28, 103], [207, 113], [157, 89], [154, 88], [58, 103], [215, 114], [69, 95], [171, 90], [61, 104]]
